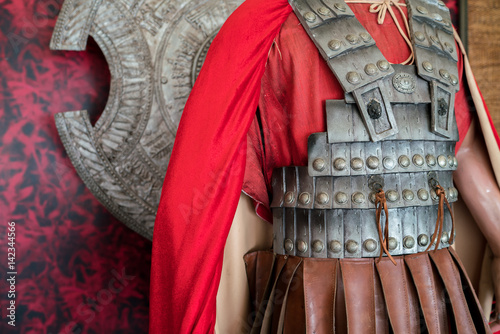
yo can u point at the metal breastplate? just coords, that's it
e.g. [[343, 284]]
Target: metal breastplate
[[395, 129]]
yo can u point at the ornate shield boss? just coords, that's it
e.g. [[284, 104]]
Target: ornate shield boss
[[155, 49]]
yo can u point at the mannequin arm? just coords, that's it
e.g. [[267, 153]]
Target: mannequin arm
[[248, 232], [479, 190]]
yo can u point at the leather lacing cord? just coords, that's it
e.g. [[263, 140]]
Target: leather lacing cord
[[381, 204], [438, 229], [384, 6]]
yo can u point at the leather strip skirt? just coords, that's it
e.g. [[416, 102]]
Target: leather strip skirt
[[426, 292]]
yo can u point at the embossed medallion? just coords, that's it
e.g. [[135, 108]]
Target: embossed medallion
[[404, 83], [155, 49]]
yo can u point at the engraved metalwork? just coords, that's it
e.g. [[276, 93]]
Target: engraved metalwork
[[374, 109], [154, 49], [404, 83]]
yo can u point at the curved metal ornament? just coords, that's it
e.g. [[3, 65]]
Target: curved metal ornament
[[155, 49]]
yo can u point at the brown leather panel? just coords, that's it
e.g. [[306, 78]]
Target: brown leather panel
[[287, 310], [359, 292], [470, 295], [259, 266], [395, 283], [319, 292], [340, 310], [453, 284], [430, 292], [282, 283], [381, 318], [295, 321]]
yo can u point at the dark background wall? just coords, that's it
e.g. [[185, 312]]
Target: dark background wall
[[79, 270]]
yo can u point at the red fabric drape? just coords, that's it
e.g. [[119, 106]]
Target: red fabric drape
[[206, 170]]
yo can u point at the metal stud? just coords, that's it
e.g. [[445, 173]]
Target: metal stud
[[372, 162], [372, 196], [288, 245], [392, 195], [323, 11], [442, 107], [423, 194], [340, 6], [389, 163], [408, 195], [374, 109], [441, 4], [365, 37], [431, 160], [423, 240], [422, 10], [353, 77], [434, 196], [408, 242], [352, 38], [357, 163], [451, 193], [371, 69], [441, 160], [383, 65], [322, 198], [455, 162], [305, 198], [445, 237], [454, 80], [418, 160], [444, 74], [434, 38], [319, 164], [370, 245], [420, 36], [427, 66], [450, 160], [289, 198], [448, 47], [437, 17], [341, 197], [351, 246], [335, 246], [317, 246], [339, 164], [301, 246], [334, 44], [358, 197], [393, 243], [447, 23], [404, 161], [310, 17]]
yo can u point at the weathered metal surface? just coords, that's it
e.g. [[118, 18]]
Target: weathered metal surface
[[155, 49]]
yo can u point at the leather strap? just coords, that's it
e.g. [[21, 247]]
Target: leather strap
[[358, 275], [319, 291], [430, 290], [400, 297], [453, 284]]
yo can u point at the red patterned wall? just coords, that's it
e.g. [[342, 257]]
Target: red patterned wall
[[79, 270]]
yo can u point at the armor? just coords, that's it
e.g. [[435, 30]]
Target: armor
[[394, 131]]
